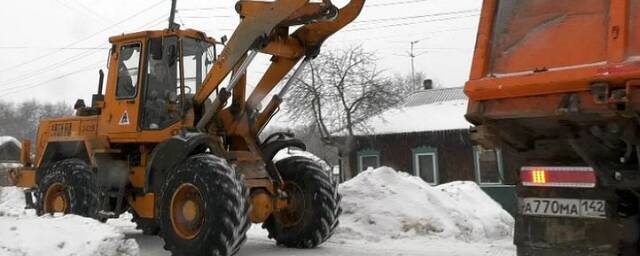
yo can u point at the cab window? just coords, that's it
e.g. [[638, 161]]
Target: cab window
[[161, 84], [128, 70]]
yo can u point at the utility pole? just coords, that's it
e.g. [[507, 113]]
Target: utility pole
[[413, 68]]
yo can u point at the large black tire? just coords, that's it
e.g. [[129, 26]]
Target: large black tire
[[317, 218], [147, 226], [78, 188], [225, 208]]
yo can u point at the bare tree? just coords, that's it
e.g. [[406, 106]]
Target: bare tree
[[338, 92], [21, 120]]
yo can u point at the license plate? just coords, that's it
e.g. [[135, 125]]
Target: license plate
[[563, 207]]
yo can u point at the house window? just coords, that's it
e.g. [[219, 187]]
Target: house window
[[368, 159], [488, 163], [425, 164]]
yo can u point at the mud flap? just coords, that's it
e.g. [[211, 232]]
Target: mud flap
[[560, 236]]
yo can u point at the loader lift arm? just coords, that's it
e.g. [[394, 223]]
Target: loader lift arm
[[265, 28]]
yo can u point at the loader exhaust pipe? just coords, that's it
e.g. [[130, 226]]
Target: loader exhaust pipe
[[100, 81], [172, 16]]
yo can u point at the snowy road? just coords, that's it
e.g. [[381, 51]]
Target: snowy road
[[258, 244]]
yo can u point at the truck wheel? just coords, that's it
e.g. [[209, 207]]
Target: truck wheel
[[203, 208], [314, 205], [148, 226], [69, 186]]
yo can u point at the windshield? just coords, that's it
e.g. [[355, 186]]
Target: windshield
[[199, 57]]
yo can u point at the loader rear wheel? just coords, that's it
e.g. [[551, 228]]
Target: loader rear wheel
[[314, 205], [203, 208], [69, 186]]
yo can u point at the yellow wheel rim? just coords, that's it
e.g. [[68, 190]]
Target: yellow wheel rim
[[293, 214], [55, 199], [187, 211]]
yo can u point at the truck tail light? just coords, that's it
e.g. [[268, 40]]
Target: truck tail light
[[547, 176]]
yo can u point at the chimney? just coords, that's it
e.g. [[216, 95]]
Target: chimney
[[427, 84]]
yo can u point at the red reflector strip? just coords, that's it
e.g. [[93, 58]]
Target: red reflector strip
[[558, 176]]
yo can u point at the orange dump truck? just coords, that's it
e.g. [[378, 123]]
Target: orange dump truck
[[557, 84]]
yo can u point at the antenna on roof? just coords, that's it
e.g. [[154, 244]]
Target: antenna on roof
[[172, 16]]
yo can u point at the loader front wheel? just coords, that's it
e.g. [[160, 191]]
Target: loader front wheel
[[69, 186], [203, 208], [313, 205]]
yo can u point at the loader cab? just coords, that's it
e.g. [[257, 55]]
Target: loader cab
[[152, 78]]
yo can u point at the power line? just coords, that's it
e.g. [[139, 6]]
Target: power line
[[205, 9], [22, 88], [411, 23], [417, 16], [33, 74], [85, 38], [79, 3], [30, 74], [398, 3], [430, 33], [51, 48]]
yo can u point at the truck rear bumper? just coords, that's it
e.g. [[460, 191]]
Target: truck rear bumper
[[555, 236]]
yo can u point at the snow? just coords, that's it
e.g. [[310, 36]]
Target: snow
[[385, 213], [439, 116], [7, 139], [384, 204], [289, 152], [23, 233]]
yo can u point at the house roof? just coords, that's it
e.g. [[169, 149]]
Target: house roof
[[434, 96], [8, 139], [428, 110]]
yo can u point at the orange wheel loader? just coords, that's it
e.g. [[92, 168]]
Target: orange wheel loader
[[166, 142]]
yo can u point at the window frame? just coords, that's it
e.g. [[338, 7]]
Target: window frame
[[476, 161], [367, 153], [145, 83], [140, 68], [422, 151]]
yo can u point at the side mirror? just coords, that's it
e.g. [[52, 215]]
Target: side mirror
[[223, 40]]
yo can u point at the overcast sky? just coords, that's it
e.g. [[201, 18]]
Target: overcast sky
[[52, 49]]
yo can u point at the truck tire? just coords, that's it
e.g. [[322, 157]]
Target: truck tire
[[147, 226], [203, 208], [315, 204], [68, 186]]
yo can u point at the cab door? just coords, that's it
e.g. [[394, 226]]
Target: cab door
[[123, 112]]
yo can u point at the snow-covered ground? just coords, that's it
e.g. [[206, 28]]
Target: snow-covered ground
[[22, 233], [385, 213]]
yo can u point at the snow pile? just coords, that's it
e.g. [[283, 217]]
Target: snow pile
[[22, 233], [289, 152], [385, 204], [439, 116], [12, 203]]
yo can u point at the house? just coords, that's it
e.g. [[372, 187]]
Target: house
[[9, 150], [9, 157], [428, 136]]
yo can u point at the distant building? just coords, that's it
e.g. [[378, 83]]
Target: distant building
[[9, 157], [429, 137], [9, 150]]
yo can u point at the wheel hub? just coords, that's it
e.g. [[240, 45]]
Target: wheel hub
[[54, 199], [294, 212], [187, 211]]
